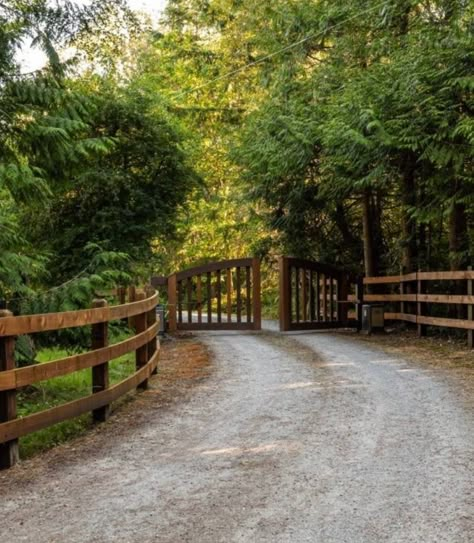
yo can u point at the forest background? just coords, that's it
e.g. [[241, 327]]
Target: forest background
[[335, 131]]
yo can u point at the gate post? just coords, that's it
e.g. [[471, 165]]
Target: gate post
[[256, 295], [285, 294], [172, 325]]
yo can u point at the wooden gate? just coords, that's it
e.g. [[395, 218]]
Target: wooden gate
[[218, 296], [315, 296]]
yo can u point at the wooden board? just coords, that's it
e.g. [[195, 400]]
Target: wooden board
[[22, 377], [32, 423], [29, 324]]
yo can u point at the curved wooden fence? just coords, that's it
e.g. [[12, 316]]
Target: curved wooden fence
[[144, 343], [418, 301], [218, 296]]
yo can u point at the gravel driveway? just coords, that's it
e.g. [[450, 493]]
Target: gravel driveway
[[293, 438]]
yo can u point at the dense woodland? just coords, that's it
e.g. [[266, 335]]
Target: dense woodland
[[339, 131]]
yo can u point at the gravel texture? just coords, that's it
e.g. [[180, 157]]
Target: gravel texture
[[292, 438]]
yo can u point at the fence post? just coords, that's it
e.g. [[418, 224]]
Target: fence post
[[470, 312], [285, 294], [141, 354], [100, 373], [420, 289], [360, 300], [402, 292], [9, 452], [256, 295], [172, 308], [150, 321]]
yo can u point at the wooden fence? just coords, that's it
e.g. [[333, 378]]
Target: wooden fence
[[144, 343], [421, 293]]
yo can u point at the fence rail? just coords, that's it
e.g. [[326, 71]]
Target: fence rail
[[416, 302], [143, 314]]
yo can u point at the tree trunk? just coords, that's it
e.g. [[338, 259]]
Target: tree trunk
[[458, 237], [368, 235], [408, 256], [458, 247]]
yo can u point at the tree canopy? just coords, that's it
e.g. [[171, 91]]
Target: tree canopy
[[336, 131]]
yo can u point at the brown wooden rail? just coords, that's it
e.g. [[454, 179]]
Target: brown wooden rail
[[217, 296], [143, 313], [413, 293]]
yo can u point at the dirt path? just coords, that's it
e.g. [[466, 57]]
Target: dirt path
[[311, 437]]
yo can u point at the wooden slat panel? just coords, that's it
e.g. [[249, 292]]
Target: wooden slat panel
[[29, 324], [312, 312], [29, 375], [32, 423]]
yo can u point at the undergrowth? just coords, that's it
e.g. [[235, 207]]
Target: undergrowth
[[60, 390]]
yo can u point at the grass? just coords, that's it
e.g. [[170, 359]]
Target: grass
[[60, 390]]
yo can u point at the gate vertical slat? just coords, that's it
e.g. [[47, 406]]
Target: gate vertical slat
[[199, 298], [311, 297], [331, 299], [229, 294], [189, 299], [219, 296], [305, 295], [209, 297], [248, 294], [256, 295], [297, 294], [180, 302], [239, 295], [324, 296], [318, 297]]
